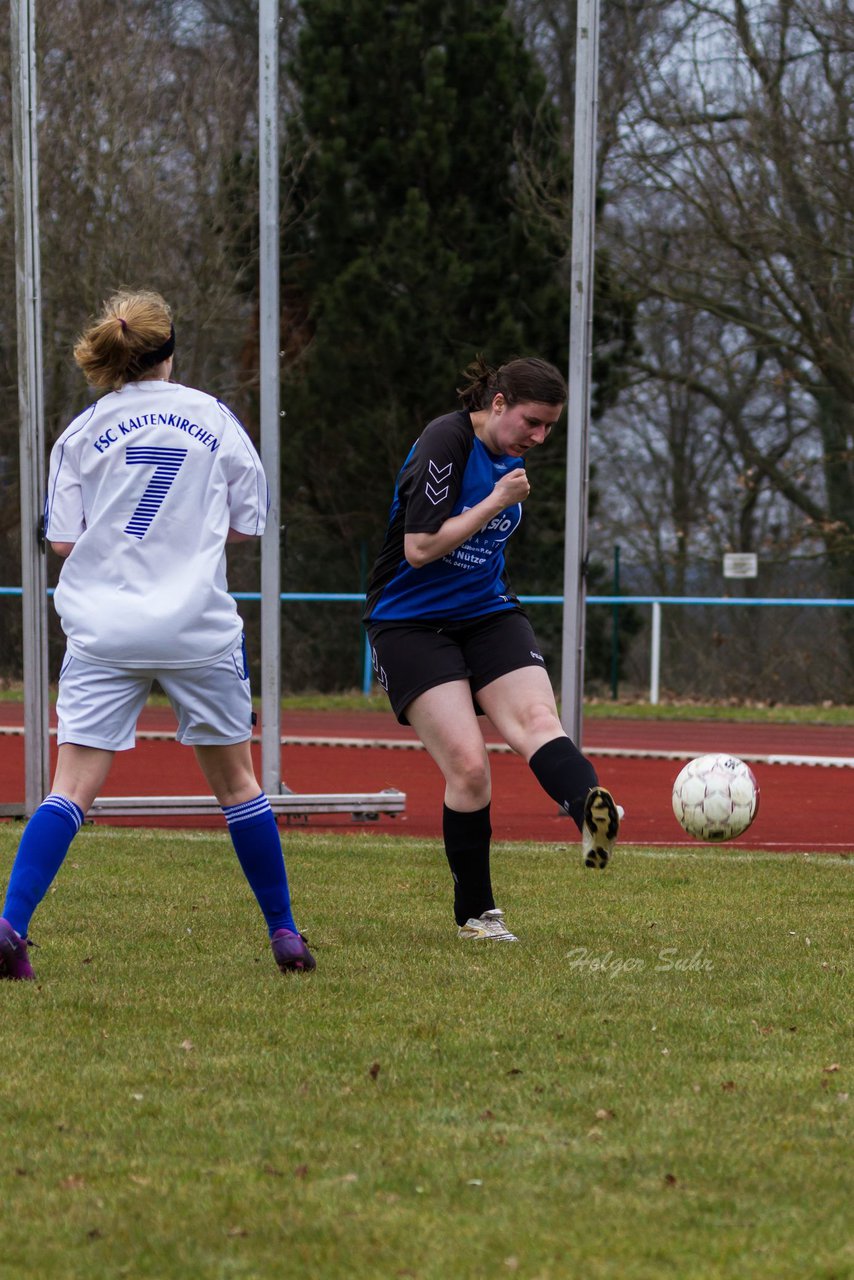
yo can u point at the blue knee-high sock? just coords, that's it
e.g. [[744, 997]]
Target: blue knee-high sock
[[43, 847], [255, 837]]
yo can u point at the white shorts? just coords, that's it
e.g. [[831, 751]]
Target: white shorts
[[99, 706]]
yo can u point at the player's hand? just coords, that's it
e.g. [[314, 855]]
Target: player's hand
[[513, 487]]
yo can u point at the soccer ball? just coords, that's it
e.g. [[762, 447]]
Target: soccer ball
[[715, 797]]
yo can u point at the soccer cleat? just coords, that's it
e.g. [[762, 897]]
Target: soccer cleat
[[489, 926], [600, 826], [291, 952], [14, 960]]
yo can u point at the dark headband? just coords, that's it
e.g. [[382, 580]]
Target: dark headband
[[151, 358]]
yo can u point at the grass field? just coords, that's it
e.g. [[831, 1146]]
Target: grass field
[[594, 708], [654, 1083]]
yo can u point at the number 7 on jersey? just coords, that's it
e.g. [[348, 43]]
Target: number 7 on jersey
[[167, 464]]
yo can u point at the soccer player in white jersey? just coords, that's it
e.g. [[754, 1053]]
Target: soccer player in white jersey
[[146, 487]]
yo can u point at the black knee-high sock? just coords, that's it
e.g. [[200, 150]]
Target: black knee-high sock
[[564, 774], [467, 837]]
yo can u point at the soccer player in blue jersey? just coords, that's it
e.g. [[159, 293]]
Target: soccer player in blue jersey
[[450, 639], [145, 489]]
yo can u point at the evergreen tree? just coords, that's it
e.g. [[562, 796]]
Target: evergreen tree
[[410, 250]]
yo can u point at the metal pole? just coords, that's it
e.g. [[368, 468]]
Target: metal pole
[[615, 629], [364, 647], [271, 638], [31, 402], [655, 654], [580, 345]]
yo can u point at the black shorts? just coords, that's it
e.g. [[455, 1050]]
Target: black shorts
[[411, 657]]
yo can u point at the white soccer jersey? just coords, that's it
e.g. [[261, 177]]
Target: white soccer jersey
[[146, 483]]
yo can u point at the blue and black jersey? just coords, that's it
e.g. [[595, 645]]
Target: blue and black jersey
[[448, 470]]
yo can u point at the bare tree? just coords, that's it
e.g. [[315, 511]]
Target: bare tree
[[734, 199], [681, 491], [148, 177], [727, 213], [628, 30]]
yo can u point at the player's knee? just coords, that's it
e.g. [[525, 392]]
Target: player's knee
[[539, 723], [471, 779], [229, 774], [232, 793]]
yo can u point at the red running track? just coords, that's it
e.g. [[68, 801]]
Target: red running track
[[808, 808]]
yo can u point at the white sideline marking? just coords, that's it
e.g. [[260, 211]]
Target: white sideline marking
[[726, 852], [639, 753], [409, 744]]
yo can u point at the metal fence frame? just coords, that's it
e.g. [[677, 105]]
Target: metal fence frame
[[655, 601]]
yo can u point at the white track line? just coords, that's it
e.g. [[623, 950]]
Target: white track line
[[409, 744], [642, 753]]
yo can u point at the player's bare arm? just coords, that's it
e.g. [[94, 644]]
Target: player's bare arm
[[63, 549], [422, 548]]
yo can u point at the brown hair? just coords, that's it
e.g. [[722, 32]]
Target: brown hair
[[526, 380], [118, 346]]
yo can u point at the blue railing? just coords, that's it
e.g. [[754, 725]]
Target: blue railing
[[356, 597]]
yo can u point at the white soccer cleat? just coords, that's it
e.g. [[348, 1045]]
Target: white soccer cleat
[[601, 826], [490, 926]]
